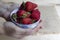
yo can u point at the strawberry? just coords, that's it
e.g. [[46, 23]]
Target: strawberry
[[23, 14], [30, 6], [27, 21], [35, 14]]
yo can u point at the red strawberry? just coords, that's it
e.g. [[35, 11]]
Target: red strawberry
[[30, 6], [35, 14], [27, 21], [23, 14]]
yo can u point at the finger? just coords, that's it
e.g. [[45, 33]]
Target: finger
[[18, 36], [12, 29], [31, 32], [12, 25], [4, 13], [36, 29], [40, 21], [12, 6], [9, 28], [2, 20], [38, 26]]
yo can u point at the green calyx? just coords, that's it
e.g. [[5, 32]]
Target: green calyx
[[23, 5], [24, 16], [33, 21], [28, 12], [14, 16]]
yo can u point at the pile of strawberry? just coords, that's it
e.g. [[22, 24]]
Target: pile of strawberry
[[27, 13]]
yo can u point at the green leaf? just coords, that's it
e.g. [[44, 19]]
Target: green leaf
[[22, 6]]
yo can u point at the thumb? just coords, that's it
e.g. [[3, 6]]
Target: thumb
[[10, 28], [14, 31]]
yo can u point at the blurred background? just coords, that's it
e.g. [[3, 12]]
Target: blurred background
[[39, 1]]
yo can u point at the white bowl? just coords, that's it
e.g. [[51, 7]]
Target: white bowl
[[23, 25]]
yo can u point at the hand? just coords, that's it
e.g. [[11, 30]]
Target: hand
[[10, 28], [14, 31]]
